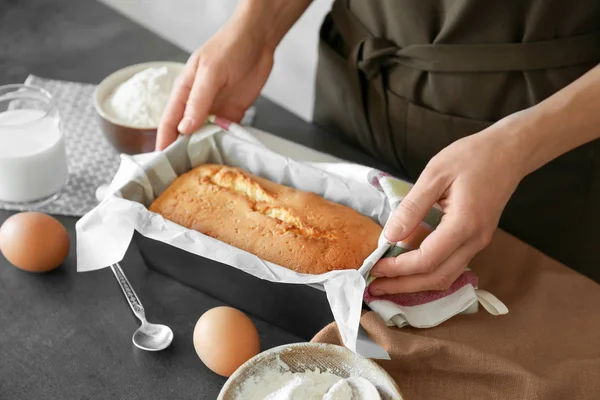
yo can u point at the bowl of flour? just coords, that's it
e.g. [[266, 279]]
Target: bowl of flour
[[309, 371], [130, 103]]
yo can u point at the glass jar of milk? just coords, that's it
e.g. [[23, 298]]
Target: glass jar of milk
[[33, 161]]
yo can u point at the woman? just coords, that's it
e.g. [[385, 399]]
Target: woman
[[492, 107]]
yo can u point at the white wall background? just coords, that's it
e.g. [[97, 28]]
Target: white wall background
[[189, 23]]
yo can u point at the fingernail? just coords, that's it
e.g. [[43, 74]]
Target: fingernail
[[375, 291], [185, 124], [392, 232], [376, 274]]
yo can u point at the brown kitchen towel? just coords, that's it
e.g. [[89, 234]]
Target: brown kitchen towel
[[547, 346]]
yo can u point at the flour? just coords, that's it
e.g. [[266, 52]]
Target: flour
[[341, 390], [280, 383], [141, 100], [273, 384]]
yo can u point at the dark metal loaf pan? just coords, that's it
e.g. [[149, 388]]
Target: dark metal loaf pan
[[298, 309]]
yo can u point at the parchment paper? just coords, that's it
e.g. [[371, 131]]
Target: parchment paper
[[104, 234]]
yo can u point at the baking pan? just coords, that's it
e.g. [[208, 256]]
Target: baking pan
[[299, 309]]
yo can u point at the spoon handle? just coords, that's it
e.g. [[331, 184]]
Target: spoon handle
[[132, 299]]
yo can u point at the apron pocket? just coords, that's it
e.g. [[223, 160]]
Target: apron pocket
[[428, 132]]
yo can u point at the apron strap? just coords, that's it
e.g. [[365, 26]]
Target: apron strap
[[379, 53]]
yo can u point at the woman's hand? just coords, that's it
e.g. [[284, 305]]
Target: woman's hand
[[223, 77], [472, 180], [226, 74]]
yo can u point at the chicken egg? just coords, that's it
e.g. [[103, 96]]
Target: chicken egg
[[34, 242], [224, 339]]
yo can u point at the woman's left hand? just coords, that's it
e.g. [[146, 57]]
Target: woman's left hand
[[472, 180]]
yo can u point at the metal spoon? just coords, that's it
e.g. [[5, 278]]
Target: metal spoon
[[150, 337]]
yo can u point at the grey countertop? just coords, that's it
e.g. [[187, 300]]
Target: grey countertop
[[67, 335]]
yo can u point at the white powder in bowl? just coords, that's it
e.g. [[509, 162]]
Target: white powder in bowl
[[279, 383], [274, 384], [141, 100]]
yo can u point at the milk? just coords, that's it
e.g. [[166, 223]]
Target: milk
[[33, 162]]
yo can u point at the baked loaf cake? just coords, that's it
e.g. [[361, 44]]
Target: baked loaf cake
[[297, 230]]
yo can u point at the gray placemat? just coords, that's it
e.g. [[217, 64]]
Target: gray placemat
[[92, 160]]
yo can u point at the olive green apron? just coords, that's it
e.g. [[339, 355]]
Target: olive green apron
[[403, 79]]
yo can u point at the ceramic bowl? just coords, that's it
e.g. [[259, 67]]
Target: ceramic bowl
[[123, 137], [302, 356]]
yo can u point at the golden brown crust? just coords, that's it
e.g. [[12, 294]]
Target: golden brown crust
[[297, 230]]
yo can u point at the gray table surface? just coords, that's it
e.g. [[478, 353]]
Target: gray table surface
[[67, 335]]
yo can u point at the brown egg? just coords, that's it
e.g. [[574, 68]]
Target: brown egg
[[224, 339], [34, 241]]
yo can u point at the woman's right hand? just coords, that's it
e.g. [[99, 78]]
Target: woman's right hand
[[223, 77]]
